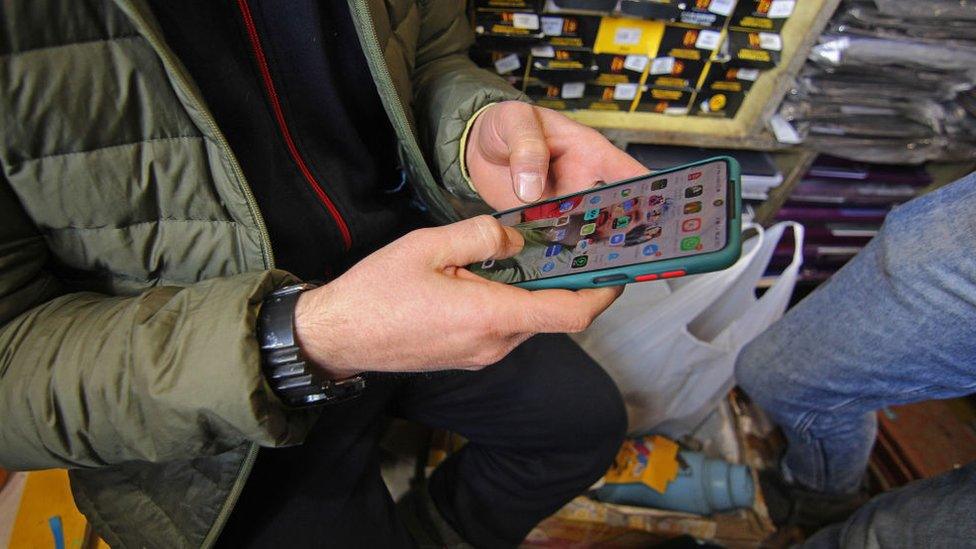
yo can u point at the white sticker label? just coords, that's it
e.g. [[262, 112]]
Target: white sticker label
[[525, 21], [625, 92], [676, 111], [747, 74], [780, 9], [552, 26], [708, 40], [543, 51], [721, 7], [636, 63], [573, 90], [784, 131], [662, 65], [507, 64], [627, 36], [770, 41]]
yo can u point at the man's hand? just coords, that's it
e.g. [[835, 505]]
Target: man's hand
[[413, 306], [518, 153]]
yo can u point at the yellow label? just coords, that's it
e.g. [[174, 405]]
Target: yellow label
[[667, 95], [628, 36], [603, 106], [611, 79], [554, 104], [754, 55], [682, 53], [670, 81], [505, 29], [727, 86], [564, 65], [757, 22], [566, 41]]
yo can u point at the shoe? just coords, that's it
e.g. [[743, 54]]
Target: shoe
[[792, 506], [424, 522]]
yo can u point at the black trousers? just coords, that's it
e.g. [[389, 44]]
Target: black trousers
[[543, 425]]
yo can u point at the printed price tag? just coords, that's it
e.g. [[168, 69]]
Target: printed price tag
[[770, 41], [627, 36], [721, 7], [625, 92], [525, 21], [662, 65], [708, 40], [543, 51], [635, 63], [573, 90], [781, 9], [552, 26], [507, 64]]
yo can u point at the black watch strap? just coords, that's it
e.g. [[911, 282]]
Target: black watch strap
[[296, 382]]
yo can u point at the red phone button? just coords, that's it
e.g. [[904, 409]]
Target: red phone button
[[645, 278], [673, 274]]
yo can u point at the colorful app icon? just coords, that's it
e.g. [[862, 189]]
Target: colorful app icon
[[693, 207], [595, 199], [582, 245], [565, 206], [487, 264], [548, 266], [591, 214], [580, 261], [613, 256], [558, 234], [659, 184], [690, 243], [650, 249], [621, 222], [691, 225], [562, 221], [655, 200], [617, 239], [553, 250], [624, 193], [589, 228], [629, 205], [693, 191]]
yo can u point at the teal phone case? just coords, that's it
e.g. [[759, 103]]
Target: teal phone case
[[703, 263]]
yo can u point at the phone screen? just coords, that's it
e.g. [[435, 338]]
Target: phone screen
[[660, 217]]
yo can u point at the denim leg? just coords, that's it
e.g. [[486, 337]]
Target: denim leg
[[930, 513], [895, 325]]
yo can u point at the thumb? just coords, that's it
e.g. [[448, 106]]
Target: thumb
[[528, 153], [475, 240]]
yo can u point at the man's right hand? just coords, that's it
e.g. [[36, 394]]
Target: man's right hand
[[414, 306]]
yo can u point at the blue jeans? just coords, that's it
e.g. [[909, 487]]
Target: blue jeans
[[896, 325]]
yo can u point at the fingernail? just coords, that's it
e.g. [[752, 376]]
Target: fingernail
[[529, 187]]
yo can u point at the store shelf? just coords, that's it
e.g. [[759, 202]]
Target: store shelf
[[747, 129]]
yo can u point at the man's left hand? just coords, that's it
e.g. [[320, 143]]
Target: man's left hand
[[518, 153]]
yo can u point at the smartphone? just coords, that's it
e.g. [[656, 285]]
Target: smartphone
[[671, 223]]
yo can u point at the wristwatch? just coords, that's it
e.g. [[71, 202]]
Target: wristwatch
[[297, 383]]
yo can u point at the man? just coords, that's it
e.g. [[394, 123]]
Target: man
[[894, 326], [170, 166]]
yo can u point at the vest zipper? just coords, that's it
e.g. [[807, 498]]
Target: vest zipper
[[269, 87]]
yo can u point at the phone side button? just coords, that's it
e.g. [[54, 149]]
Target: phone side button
[[673, 274], [645, 278], [609, 278]]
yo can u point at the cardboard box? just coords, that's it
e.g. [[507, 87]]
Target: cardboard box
[[569, 31], [665, 101], [507, 30], [557, 65], [504, 63], [725, 77], [758, 50], [661, 10], [615, 68], [618, 35], [706, 13], [761, 15], [521, 5], [551, 96], [671, 72], [614, 97], [684, 42]]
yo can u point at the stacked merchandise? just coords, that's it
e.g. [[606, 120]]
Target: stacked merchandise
[[662, 56], [842, 204], [891, 81]]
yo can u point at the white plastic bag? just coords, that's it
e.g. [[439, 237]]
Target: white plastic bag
[[671, 346]]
